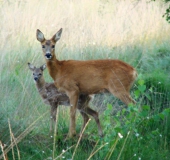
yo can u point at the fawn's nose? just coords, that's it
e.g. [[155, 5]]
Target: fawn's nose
[[48, 56], [35, 78]]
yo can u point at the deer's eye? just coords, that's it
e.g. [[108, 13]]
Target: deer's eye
[[33, 74], [53, 46], [43, 46], [40, 74]]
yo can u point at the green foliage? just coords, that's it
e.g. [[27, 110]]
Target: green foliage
[[143, 126], [136, 130], [167, 12]]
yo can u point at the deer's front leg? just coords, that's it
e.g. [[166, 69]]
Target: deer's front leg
[[73, 96]]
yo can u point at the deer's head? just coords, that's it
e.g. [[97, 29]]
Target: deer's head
[[48, 46], [37, 72]]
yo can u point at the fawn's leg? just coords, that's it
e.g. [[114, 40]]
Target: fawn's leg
[[51, 120], [54, 107]]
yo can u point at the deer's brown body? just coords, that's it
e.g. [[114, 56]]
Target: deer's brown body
[[87, 77], [51, 96], [93, 76]]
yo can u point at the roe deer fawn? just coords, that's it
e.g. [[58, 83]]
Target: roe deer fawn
[[53, 97], [86, 77]]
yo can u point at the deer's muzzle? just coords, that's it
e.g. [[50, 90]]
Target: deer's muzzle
[[36, 78], [48, 56]]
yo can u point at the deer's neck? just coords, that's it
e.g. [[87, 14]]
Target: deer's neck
[[53, 66], [41, 86]]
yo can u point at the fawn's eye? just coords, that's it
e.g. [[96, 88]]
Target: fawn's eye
[[43, 46], [53, 46], [40, 74], [33, 74]]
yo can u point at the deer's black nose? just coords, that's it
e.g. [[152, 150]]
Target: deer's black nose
[[48, 56]]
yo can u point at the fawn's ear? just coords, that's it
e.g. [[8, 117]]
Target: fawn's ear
[[57, 36], [43, 67], [40, 36], [31, 67]]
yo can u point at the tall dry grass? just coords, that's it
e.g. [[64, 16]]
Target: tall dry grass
[[85, 22]]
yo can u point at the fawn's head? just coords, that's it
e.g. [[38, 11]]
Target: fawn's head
[[37, 72], [48, 46]]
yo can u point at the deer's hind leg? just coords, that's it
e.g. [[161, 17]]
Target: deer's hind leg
[[122, 93], [124, 97]]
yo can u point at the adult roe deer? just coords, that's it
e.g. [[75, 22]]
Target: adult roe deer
[[86, 77], [53, 97]]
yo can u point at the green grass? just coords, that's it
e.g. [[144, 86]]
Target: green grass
[[133, 31]]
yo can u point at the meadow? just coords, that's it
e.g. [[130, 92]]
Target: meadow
[[132, 31]]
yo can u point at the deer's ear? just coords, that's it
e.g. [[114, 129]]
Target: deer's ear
[[40, 36], [31, 67], [43, 67], [57, 36]]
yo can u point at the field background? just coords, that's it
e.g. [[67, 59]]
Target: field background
[[133, 31]]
